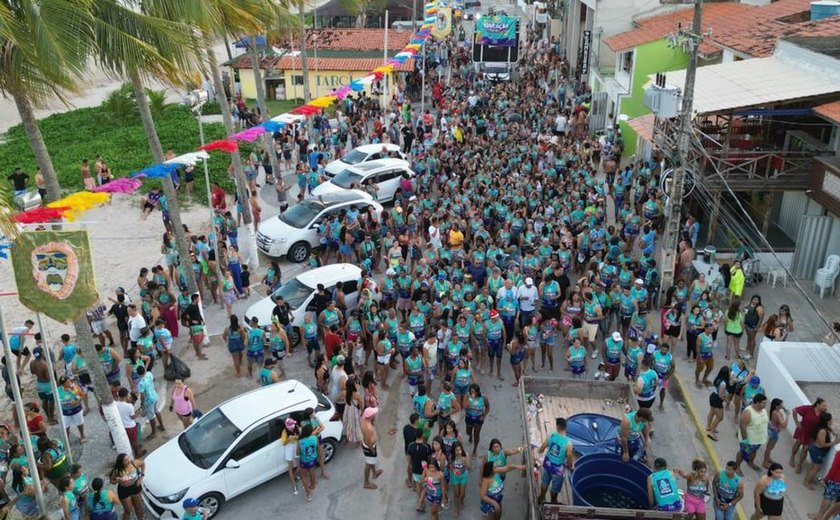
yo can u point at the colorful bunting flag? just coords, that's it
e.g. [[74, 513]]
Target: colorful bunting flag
[[222, 145]]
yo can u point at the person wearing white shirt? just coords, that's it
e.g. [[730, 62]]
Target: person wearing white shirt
[[136, 323], [434, 235], [527, 295], [560, 124], [127, 416]]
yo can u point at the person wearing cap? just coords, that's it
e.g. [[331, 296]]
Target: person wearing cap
[[752, 430], [750, 390], [496, 338], [613, 348], [289, 439], [191, 510], [527, 295], [369, 439], [663, 492]]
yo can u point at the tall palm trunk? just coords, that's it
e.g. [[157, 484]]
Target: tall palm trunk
[[84, 340], [268, 137], [168, 186], [303, 64], [236, 160], [36, 141]]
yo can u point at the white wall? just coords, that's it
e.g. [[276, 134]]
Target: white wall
[[833, 247], [781, 365], [614, 17]]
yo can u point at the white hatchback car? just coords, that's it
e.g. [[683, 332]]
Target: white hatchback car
[[386, 173], [232, 448], [298, 294], [361, 154], [295, 231]]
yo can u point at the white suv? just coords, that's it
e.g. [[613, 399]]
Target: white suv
[[299, 292], [295, 231], [232, 448], [361, 154], [386, 173]]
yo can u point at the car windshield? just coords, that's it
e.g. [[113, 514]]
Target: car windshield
[[300, 215], [354, 157], [208, 439], [293, 292], [346, 179]]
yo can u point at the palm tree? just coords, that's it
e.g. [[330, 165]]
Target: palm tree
[[43, 50], [135, 45], [268, 138]]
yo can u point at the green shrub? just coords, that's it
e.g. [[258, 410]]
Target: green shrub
[[85, 132]]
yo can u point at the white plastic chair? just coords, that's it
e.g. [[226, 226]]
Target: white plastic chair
[[777, 275], [826, 276]]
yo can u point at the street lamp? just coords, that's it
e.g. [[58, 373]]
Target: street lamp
[[196, 100]]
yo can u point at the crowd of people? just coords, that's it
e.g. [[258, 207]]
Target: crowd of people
[[523, 245]]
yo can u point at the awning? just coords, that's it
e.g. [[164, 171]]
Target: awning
[[752, 83], [643, 126]]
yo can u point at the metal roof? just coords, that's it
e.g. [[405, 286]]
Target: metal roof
[[752, 83]]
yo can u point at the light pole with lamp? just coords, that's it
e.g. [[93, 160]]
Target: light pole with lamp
[[196, 101]]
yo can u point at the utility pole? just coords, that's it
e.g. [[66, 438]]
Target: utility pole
[[303, 65], [673, 208]]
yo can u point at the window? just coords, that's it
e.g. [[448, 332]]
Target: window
[[208, 439], [627, 61], [374, 157], [350, 287], [254, 441], [297, 80], [386, 176]]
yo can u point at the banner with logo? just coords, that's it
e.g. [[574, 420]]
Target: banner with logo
[[496, 30], [443, 23], [54, 273]]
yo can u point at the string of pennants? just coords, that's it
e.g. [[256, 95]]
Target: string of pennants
[[68, 208]]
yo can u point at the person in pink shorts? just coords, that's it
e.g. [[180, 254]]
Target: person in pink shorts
[[697, 486]]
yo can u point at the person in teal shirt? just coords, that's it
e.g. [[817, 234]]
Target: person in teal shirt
[[256, 346], [558, 458], [308, 456], [663, 493], [191, 510]]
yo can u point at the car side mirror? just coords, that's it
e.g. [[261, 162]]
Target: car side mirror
[[232, 464]]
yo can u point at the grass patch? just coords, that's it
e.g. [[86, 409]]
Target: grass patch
[[276, 107], [85, 132]]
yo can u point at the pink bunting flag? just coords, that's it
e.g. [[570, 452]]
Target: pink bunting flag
[[122, 185], [249, 135]]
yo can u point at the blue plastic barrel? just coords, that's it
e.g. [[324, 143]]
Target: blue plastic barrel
[[604, 480], [593, 433]]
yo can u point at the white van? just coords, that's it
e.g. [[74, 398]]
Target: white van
[[360, 154], [386, 173], [232, 448]]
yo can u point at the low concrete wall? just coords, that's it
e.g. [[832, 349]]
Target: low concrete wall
[[782, 365]]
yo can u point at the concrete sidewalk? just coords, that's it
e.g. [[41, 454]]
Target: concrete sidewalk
[[799, 500]]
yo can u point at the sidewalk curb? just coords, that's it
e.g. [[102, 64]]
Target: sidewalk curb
[[701, 430]]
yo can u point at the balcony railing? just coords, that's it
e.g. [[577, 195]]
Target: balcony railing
[[743, 169]]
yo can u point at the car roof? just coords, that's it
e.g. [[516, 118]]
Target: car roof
[[329, 274], [250, 407], [340, 197], [373, 148], [378, 164]]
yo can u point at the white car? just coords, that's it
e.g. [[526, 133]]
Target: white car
[[361, 154], [295, 231], [386, 173], [232, 448], [298, 294]]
